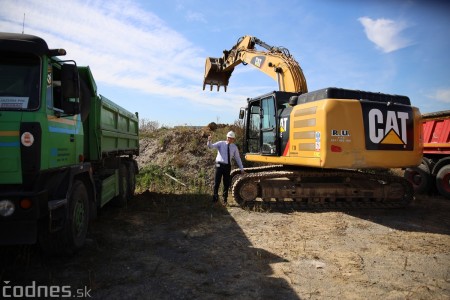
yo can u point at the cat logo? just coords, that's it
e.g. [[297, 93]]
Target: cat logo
[[283, 124], [258, 61], [388, 127], [394, 131]]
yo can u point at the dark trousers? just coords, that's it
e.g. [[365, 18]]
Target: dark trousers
[[222, 170]]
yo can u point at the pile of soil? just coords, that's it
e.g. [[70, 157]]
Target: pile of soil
[[184, 151]]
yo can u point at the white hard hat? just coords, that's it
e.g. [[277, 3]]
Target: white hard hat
[[231, 134]]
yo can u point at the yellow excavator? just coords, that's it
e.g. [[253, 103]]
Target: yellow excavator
[[322, 147]]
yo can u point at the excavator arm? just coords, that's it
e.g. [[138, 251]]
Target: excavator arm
[[276, 62]]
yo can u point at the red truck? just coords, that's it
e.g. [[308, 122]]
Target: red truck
[[435, 167]]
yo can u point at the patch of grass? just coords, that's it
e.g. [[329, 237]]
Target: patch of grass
[[155, 178]]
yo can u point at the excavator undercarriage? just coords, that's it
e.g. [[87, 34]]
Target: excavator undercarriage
[[311, 188]]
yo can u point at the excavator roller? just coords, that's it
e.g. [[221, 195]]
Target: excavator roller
[[214, 76]]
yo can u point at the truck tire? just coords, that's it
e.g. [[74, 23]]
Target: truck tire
[[78, 222], [420, 178], [72, 236], [443, 181], [122, 199]]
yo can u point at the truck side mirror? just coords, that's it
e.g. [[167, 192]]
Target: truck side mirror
[[70, 85], [70, 81], [241, 113]]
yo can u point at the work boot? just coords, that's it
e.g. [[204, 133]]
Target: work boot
[[215, 198]]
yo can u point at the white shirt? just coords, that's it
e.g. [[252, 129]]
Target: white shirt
[[222, 153]]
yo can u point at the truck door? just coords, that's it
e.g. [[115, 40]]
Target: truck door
[[64, 130]]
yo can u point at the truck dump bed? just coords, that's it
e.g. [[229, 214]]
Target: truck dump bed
[[436, 132], [110, 130], [115, 129]]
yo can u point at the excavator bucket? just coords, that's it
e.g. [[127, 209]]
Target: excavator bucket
[[214, 75]]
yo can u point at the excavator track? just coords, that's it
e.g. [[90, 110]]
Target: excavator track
[[309, 188]]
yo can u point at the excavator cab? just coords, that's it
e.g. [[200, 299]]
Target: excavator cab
[[265, 132], [214, 75]]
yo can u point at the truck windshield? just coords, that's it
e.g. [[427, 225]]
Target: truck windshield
[[19, 81]]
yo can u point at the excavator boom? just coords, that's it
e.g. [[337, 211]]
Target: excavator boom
[[276, 62]]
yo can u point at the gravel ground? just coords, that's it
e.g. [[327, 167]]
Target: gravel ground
[[168, 246]]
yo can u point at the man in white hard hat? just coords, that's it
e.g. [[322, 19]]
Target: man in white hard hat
[[226, 150]]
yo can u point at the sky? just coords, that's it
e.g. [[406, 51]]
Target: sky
[[149, 56]]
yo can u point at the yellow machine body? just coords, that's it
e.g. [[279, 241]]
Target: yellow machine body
[[333, 133]]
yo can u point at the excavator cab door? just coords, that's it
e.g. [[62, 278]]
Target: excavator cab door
[[268, 126], [262, 127]]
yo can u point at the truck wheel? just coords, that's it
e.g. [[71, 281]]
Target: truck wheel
[[443, 181], [131, 179], [419, 177], [72, 236], [122, 199], [78, 218]]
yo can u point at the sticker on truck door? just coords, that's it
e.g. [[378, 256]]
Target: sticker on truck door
[[388, 127]]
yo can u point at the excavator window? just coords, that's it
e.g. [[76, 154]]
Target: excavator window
[[261, 135], [268, 126], [253, 140]]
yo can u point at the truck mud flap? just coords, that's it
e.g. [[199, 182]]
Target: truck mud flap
[[57, 214]]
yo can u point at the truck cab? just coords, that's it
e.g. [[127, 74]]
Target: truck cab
[[50, 177]]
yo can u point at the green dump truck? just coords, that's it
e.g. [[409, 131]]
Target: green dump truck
[[65, 150]]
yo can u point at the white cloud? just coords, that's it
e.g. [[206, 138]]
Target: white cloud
[[442, 95], [385, 33], [124, 45], [195, 17]]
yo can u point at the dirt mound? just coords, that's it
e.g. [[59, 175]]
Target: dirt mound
[[183, 150]]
